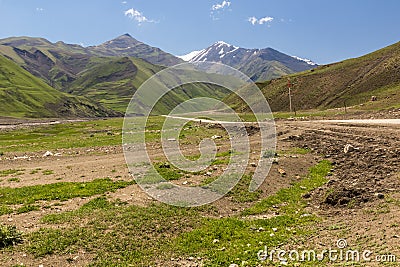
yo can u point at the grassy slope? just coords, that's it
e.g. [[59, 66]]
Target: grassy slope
[[353, 81], [23, 95], [114, 81]]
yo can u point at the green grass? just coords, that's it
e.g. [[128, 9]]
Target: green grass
[[27, 208], [93, 133], [47, 172], [14, 179], [35, 171], [295, 151], [118, 234], [4, 209], [115, 233], [65, 135], [8, 172], [57, 191], [241, 194], [85, 210], [293, 195]]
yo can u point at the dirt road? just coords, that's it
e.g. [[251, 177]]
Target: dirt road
[[365, 122]]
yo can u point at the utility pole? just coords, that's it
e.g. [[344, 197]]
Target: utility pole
[[290, 95]]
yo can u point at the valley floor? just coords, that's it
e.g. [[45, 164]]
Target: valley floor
[[359, 202]]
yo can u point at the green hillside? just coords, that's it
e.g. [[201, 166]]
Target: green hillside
[[350, 82], [112, 81], [23, 95]]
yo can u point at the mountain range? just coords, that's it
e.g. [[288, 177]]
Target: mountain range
[[39, 78], [352, 82], [258, 64], [108, 74]]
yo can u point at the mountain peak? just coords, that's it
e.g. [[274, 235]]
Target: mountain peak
[[219, 43], [125, 36]]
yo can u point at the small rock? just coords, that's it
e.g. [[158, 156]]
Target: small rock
[[171, 139], [185, 183], [282, 171], [47, 154], [380, 195], [253, 164], [348, 148], [216, 137], [216, 241], [274, 229], [233, 265]]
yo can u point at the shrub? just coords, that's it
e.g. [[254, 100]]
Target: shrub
[[9, 236]]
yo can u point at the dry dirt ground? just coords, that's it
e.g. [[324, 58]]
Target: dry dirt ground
[[360, 203]]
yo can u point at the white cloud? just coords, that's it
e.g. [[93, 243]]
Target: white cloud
[[253, 20], [39, 9], [265, 20], [137, 16], [124, 2], [221, 6]]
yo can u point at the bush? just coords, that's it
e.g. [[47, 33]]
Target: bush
[[9, 236]]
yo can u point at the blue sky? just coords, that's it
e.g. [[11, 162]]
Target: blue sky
[[324, 31]]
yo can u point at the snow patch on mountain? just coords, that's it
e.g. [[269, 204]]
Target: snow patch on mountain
[[190, 55], [308, 61]]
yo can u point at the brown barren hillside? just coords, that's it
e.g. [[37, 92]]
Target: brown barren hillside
[[350, 82]]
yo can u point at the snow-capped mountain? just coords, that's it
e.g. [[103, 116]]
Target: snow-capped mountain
[[258, 64], [216, 51]]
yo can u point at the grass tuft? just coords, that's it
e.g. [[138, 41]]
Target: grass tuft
[[9, 236]]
